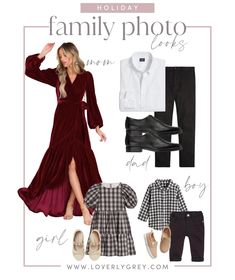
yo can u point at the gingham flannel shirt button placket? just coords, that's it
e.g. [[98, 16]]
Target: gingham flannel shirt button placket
[[162, 206]]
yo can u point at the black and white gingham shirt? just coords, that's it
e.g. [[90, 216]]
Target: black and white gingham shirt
[[161, 198]]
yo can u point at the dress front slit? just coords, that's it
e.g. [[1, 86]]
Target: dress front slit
[[50, 188]]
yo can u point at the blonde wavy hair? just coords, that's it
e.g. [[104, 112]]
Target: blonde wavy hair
[[78, 65]]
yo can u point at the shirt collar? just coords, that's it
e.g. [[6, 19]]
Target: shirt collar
[[164, 184], [139, 55]]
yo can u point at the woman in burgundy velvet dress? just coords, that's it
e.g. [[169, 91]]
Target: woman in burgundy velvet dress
[[68, 167]]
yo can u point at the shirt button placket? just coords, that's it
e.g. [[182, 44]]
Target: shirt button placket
[[141, 93], [163, 212]]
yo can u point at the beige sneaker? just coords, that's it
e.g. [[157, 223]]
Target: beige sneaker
[[165, 239], [78, 245], [94, 245], [151, 244]]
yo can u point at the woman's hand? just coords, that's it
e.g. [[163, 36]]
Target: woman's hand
[[48, 47], [101, 134]]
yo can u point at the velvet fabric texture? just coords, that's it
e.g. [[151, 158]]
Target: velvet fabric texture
[[50, 188]]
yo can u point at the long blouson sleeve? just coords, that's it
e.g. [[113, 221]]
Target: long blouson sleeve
[[93, 112], [129, 196], [32, 70]]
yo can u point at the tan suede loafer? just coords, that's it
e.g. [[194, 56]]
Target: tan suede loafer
[[151, 244], [94, 245], [165, 239], [78, 245]]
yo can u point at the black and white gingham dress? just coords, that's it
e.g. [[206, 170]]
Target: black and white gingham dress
[[110, 217], [161, 198]]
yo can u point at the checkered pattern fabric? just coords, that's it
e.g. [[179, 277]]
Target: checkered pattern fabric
[[161, 198], [110, 217]]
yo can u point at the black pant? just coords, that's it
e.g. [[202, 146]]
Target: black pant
[[180, 88], [189, 224]]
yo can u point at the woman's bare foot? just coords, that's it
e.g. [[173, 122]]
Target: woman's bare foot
[[86, 216], [69, 212]]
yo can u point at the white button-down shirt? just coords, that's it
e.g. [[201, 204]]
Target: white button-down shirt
[[142, 83]]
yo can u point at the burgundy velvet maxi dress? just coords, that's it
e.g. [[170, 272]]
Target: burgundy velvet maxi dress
[[50, 188]]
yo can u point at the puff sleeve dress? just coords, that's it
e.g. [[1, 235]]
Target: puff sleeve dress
[[50, 188], [110, 217]]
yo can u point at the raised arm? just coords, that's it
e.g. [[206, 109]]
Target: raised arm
[[48, 47], [32, 67]]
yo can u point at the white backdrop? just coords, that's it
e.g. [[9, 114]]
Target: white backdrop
[[21, 228]]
